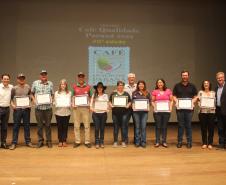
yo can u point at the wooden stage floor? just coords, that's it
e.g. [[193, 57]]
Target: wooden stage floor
[[113, 166]]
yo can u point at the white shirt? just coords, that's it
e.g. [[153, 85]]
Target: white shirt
[[5, 95], [63, 111], [130, 89], [103, 97]]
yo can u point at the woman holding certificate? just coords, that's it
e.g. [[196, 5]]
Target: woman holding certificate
[[62, 111], [141, 103], [162, 101], [120, 102], [206, 98], [99, 107]]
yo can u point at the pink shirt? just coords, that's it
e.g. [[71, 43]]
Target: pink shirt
[[161, 95]]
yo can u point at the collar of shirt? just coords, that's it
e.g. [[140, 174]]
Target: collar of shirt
[[5, 87], [84, 85], [45, 83]]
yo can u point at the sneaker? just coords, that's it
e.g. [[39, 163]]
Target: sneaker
[[210, 146], [12, 147], [64, 144], [189, 145], [164, 145], [124, 145], [102, 145], [143, 145], [157, 145], [88, 145], [76, 145], [97, 146], [40, 144], [179, 145], [49, 145], [30, 145], [137, 145], [115, 144], [60, 144], [204, 146]]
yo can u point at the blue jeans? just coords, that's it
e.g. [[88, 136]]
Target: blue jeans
[[18, 116], [141, 118], [161, 122], [120, 119], [99, 120], [184, 118]]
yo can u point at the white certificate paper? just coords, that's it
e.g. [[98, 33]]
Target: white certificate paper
[[141, 105], [207, 102], [120, 101], [81, 100], [43, 99], [162, 106], [63, 101], [22, 102], [100, 105], [185, 103]]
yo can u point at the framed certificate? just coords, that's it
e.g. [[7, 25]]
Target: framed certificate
[[63, 101], [185, 103], [120, 101], [81, 100], [207, 102], [22, 101], [141, 105], [100, 105], [162, 106], [43, 99]]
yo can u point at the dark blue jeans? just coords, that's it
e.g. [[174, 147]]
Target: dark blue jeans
[[221, 124], [99, 120], [18, 116], [161, 122], [120, 119], [184, 118], [4, 118], [130, 114], [141, 118]]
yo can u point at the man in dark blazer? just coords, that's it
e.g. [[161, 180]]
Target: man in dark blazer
[[221, 108]]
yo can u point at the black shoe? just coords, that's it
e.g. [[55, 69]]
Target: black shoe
[[179, 145], [220, 147], [164, 145], [137, 145], [143, 145], [189, 145], [4, 145], [49, 145], [12, 147], [40, 144], [88, 145], [76, 145], [29, 145]]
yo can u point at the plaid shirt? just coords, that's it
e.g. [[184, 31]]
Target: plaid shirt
[[42, 88]]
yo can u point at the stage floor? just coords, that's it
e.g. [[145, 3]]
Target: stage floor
[[113, 166]]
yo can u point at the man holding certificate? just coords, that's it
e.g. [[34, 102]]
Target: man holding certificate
[[221, 109], [20, 101], [42, 94], [120, 102], [206, 98], [141, 103], [81, 95], [184, 94], [162, 101]]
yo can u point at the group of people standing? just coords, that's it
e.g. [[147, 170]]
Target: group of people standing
[[127, 101]]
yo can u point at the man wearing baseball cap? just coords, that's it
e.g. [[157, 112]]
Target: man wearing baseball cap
[[43, 112], [81, 113], [21, 90]]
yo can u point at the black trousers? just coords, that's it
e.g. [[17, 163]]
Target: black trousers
[[207, 127], [4, 118], [62, 125], [221, 124]]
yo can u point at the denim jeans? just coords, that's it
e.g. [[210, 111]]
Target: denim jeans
[[4, 118], [141, 118], [120, 119], [62, 127], [99, 120], [161, 122], [221, 124], [184, 118], [130, 114], [18, 116], [44, 117], [207, 127]]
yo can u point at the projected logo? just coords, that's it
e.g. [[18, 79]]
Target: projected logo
[[108, 64]]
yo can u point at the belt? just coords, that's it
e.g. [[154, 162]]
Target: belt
[[4, 107]]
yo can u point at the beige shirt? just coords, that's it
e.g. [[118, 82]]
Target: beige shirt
[[211, 94], [63, 111], [5, 95], [130, 89]]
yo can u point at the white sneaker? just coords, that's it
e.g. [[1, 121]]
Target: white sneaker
[[204, 146], [123, 144], [115, 144], [210, 146]]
